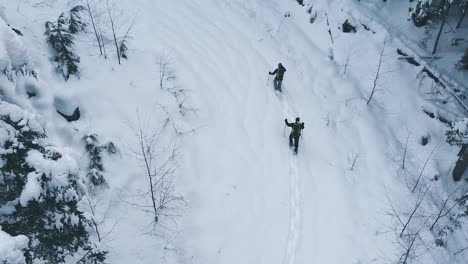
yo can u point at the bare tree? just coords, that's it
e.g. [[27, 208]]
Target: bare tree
[[116, 25], [164, 73], [405, 151], [160, 164], [91, 11], [444, 210], [445, 6], [352, 159], [167, 79], [113, 26], [102, 38], [377, 74], [424, 167], [409, 245], [100, 216], [464, 11]]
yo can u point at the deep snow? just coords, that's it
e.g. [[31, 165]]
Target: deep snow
[[249, 200]]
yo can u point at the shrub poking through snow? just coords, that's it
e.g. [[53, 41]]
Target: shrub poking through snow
[[464, 61], [76, 23], [40, 187], [458, 134], [96, 166], [348, 28], [60, 37]]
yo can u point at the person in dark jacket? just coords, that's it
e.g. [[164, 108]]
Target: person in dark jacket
[[279, 73], [296, 130]]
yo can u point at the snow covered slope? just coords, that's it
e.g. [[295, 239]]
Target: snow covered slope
[[249, 199]]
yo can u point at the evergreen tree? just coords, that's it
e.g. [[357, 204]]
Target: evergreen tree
[[96, 167], [76, 22], [123, 49], [458, 133], [60, 38], [421, 13], [40, 187]]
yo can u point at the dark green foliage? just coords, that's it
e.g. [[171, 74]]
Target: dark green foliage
[[464, 61], [52, 221], [123, 49], [422, 13], [96, 167], [463, 203], [76, 23], [14, 170], [93, 255], [61, 40], [458, 133]]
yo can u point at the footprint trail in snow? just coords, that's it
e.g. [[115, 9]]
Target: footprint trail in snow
[[295, 199]]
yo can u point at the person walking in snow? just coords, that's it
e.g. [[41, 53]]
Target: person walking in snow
[[279, 76], [296, 130]]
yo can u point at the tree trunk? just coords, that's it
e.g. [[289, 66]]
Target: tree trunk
[[91, 17], [111, 18], [462, 17], [445, 15], [434, 50]]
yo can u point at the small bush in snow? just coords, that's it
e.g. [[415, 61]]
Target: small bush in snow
[[76, 23], [96, 167], [458, 134], [464, 61]]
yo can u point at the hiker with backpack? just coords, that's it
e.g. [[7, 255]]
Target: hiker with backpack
[[279, 74], [296, 130]]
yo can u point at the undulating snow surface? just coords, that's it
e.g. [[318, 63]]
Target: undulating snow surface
[[249, 199]]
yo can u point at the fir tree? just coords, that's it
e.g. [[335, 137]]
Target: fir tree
[[76, 22], [95, 151], [123, 49], [60, 38], [42, 201]]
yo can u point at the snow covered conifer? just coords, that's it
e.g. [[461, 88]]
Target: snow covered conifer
[[123, 49], [421, 13], [96, 166], [76, 22], [40, 187], [60, 38], [458, 134]]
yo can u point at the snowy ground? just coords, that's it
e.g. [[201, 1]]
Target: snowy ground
[[249, 200]]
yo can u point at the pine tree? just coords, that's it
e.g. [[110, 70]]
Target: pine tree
[[76, 22], [123, 49], [41, 188], [60, 38], [96, 167]]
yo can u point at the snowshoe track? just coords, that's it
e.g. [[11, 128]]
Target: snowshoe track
[[295, 215]]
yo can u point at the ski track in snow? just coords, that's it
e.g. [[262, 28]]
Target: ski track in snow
[[295, 198]]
